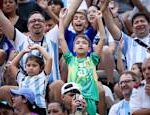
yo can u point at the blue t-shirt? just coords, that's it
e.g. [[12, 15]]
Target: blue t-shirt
[[6, 45]]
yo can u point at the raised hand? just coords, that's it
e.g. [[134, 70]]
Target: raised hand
[[147, 89], [99, 15], [27, 50], [34, 46], [43, 4], [63, 13], [104, 4]]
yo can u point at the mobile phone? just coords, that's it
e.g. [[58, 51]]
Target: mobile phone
[[1, 4]]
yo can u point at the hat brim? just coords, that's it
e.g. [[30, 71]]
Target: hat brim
[[15, 92], [73, 91]]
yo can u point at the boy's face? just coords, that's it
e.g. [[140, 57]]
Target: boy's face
[[79, 22], [81, 46]]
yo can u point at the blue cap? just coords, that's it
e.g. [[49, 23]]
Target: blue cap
[[26, 92]]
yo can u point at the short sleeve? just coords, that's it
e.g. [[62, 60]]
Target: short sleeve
[[95, 58], [20, 77], [68, 57]]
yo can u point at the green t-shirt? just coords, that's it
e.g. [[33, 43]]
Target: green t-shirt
[[83, 72]]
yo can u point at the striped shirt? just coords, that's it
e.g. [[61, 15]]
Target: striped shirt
[[38, 85], [133, 51]]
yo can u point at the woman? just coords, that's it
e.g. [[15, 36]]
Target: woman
[[10, 10]]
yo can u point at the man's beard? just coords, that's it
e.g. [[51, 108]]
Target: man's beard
[[128, 94]]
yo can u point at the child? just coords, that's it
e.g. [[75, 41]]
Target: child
[[82, 68], [36, 76]]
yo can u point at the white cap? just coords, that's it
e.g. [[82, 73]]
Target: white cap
[[70, 87]]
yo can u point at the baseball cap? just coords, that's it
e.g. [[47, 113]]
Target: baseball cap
[[26, 92], [70, 87]]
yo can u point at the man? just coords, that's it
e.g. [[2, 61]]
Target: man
[[132, 50], [72, 98], [140, 101], [126, 84]]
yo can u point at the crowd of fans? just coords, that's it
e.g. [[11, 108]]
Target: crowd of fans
[[74, 57]]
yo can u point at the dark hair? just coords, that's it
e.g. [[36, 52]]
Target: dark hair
[[83, 36], [139, 65], [32, 107], [37, 59], [61, 105], [36, 12], [134, 76], [57, 2], [140, 14]]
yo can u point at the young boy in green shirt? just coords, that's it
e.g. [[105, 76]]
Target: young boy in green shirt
[[82, 68]]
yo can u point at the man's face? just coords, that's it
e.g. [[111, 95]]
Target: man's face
[[36, 24], [126, 84], [67, 99], [141, 26], [79, 22], [146, 70]]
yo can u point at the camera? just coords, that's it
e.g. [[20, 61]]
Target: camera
[[79, 97]]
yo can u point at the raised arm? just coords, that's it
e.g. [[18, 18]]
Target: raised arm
[[142, 112], [101, 30], [14, 65], [120, 65], [62, 40], [141, 7], [48, 59], [44, 5], [112, 27], [71, 11], [7, 27]]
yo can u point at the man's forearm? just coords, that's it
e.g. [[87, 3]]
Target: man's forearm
[[142, 112]]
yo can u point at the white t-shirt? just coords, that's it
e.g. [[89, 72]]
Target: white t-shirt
[[139, 99]]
